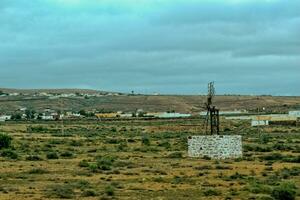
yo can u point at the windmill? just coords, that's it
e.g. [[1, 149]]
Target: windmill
[[212, 116]]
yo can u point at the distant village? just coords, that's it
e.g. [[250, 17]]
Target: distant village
[[291, 118], [53, 95], [48, 114]]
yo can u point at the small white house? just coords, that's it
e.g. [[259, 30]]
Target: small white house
[[3, 118], [23, 109], [126, 115], [259, 123], [173, 115], [47, 117], [294, 113]]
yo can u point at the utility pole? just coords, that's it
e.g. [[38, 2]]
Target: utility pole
[[62, 116]]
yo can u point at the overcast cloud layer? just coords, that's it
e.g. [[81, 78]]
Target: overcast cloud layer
[[166, 46]]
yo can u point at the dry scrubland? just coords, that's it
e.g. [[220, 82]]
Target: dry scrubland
[[144, 160]]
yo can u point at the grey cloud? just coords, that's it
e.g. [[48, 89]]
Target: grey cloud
[[171, 47]]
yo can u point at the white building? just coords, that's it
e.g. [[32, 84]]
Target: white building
[[294, 113], [232, 112], [126, 115], [173, 115], [47, 117], [3, 118], [259, 123]]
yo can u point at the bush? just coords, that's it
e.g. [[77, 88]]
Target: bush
[[285, 173], [165, 144], [33, 158], [273, 156], [38, 171], [89, 193], [203, 167], [175, 155], [67, 154], [122, 146], [83, 163], [257, 188], [223, 167], [9, 154], [5, 141], [146, 140], [105, 163], [285, 191], [264, 138], [93, 167], [110, 190], [61, 191], [52, 155], [76, 143], [211, 192]]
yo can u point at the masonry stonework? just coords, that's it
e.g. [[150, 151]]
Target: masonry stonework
[[215, 146]]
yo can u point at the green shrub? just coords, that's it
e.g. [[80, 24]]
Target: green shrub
[[113, 141], [122, 146], [33, 158], [273, 156], [264, 138], [211, 192], [52, 155], [60, 191], [206, 157], [180, 179], [236, 176], [223, 167], [67, 154], [89, 193], [76, 143], [165, 144], [146, 140], [110, 190], [81, 184], [93, 167], [5, 141], [130, 140], [175, 155], [9, 154], [83, 163], [257, 188], [203, 167], [285, 173], [105, 163], [282, 147], [285, 191], [38, 171]]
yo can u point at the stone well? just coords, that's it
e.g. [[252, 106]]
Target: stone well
[[215, 146]]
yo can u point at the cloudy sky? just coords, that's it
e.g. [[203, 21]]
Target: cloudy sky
[[165, 46]]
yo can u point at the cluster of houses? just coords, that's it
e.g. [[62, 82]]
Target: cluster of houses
[[256, 120], [291, 118], [59, 95], [141, 113], [49, 114]]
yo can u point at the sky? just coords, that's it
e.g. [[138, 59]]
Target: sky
[[152, 46]]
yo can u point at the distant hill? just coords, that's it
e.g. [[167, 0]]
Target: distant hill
[[53, 91], [150, 103]]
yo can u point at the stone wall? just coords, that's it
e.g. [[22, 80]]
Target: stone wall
[[215, 146]]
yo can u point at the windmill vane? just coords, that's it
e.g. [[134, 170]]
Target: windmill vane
[[212, 116]]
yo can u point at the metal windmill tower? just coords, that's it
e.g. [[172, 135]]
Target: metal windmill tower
[[212, 116]]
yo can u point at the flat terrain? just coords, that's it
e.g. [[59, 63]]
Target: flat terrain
[[143, 159]]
